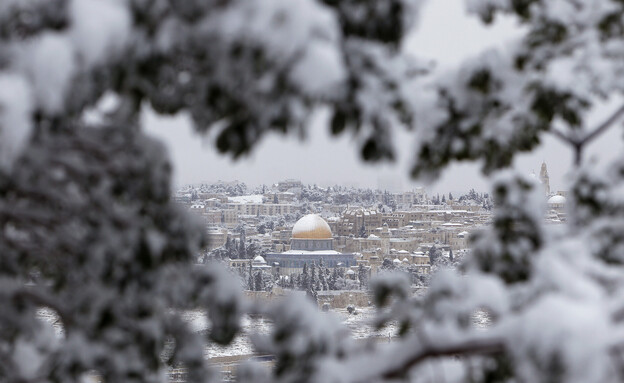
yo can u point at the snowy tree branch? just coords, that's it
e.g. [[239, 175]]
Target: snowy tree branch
[[36, 297], [604, 126], [470, 347], [563, 137], [578, 144]]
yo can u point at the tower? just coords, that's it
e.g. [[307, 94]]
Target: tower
[[385, 239], [544, 179]]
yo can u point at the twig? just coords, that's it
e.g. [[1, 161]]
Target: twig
[[473, 347], [579, 144], [562, 136], [602, 127]]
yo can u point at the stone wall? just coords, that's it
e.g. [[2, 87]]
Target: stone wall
[[341, 299], [335, 299]]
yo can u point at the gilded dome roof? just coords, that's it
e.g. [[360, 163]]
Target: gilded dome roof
[[311, 226]]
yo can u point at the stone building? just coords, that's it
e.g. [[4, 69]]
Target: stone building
[[410, 198], [216, 237], [289, 184], [261, 208], [311, 241], [354, 220]]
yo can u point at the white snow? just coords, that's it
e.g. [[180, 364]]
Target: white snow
[[321, 70], [554, 328], [27, 358], [100, 29], [259, 259], [283, 27], [15, 123], [48, 62]]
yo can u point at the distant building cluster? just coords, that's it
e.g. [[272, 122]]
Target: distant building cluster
[[281, 229]]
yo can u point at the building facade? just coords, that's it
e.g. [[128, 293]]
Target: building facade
[[311, 241]]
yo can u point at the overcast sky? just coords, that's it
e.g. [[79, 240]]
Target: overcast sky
[[444, 34]]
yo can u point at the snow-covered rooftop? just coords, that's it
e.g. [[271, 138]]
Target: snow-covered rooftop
[[259, 259], [253, 198], [320, 252]]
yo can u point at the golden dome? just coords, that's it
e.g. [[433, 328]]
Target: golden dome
[[311, 226]]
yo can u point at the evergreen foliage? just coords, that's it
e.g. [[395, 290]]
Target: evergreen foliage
[[304, 280], [88, 229], [363, 277], [258, 281], [313, 277], [251, 283], [323, 274], [362, 231], [242, 250]]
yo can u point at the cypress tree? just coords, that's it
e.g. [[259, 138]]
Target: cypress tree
[[259, 282], [228, 247], [323, 276], [362, 232], [250, 281], [305, 281], [313, 277], [333, 279], [242, 253], [362, 276]]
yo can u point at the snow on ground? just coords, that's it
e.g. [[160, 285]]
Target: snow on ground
[[358, 324]]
